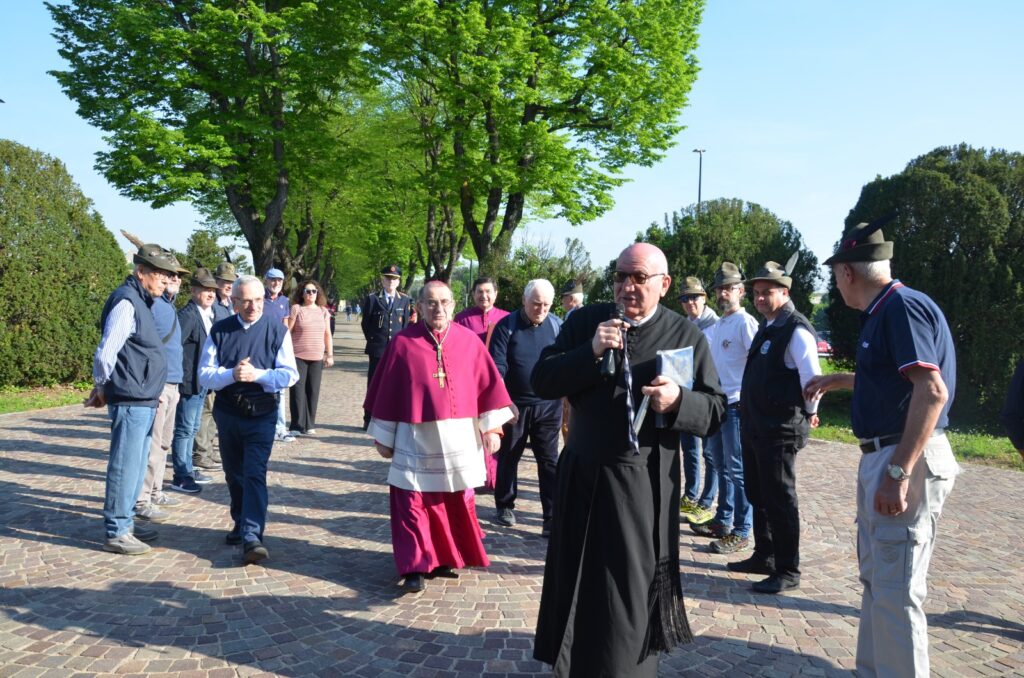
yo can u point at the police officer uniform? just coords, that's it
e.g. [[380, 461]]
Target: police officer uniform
[[382, 319], [774, 425], [900, 329]]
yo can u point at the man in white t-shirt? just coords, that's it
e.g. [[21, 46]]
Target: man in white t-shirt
[[730, 339]]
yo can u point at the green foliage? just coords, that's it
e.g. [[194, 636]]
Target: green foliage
[[522, 102], [220, 102], [203, 250], [530, 262], [58, 263], [959, 238], [731, 230]]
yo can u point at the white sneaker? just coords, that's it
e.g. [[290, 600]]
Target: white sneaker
[[152, 514], [164, 499], [284, 438], [311, 432], [295, 434], [126, 544]]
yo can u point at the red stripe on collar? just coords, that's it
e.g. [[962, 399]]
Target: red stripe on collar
[[896, 284]]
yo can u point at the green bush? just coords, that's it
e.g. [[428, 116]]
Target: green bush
[[58, 263]]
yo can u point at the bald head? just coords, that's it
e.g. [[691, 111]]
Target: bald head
[[643, 270]]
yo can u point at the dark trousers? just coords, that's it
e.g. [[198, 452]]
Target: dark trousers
[[305, 394], [769, 471], [540, 423], [245, 444], [374, 360]]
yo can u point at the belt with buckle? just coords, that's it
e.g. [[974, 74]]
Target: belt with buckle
[[869, 445]]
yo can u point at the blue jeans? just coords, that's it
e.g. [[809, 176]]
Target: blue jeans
[[693, 449], [131, 428], [186, 424], [245, 444], [734, 508]]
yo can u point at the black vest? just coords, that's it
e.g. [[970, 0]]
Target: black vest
[[772, 401], [141, 368]]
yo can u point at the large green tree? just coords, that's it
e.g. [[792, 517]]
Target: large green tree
[[535, 103], [58, 263], [219, 102], [958, 237], [728, 230]]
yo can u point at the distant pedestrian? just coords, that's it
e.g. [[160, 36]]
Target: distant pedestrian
[[129, 373], [247, 360], [483, 316], [195, 319], [385, 314], [277, 306], [314, 349], [695, 504]]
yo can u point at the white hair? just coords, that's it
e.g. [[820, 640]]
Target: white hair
[[540, 285], [244, 281], [874, 272], [577, 297]]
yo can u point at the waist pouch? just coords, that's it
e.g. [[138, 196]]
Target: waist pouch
[[248, 404]]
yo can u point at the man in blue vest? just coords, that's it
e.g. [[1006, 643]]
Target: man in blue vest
[[247, 359], [129, 372]]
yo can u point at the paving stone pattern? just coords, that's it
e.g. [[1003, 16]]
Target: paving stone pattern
[[326, 602]]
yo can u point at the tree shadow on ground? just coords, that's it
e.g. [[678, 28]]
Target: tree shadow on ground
[[971, 621]]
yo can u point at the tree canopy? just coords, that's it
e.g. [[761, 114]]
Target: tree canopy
[[58, 263], [744, 233], [526, 103], [959, 238]]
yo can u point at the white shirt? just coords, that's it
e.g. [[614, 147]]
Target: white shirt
[[730, 340], [438, 456], [802, 356], [207, 316]]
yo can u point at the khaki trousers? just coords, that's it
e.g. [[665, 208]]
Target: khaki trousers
[[159, 444], [202, 446], [894, 553]]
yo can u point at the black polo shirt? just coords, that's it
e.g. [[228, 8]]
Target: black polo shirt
[[900, 329]]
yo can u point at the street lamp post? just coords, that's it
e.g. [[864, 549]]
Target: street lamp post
[[700, 176]]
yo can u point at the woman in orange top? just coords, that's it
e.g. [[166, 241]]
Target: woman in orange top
[[314, 350]]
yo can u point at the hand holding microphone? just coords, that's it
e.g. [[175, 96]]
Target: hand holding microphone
[[607, 339]]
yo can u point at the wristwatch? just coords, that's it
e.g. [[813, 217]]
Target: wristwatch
[[897, 473]]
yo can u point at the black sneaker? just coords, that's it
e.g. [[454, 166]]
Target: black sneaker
[[188, 486], [144, 533], [233, 538], [710, 529], [201, 478], [752, 565], [506, 517], [776, 583]]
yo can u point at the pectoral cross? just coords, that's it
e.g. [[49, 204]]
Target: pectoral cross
[[440, 374]]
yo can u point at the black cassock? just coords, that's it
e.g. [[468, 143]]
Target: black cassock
[[612, 597]]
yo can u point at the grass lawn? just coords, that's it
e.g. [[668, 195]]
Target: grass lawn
[[23, 399], [969, 443]]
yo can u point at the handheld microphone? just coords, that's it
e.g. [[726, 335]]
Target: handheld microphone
[[608, 359]]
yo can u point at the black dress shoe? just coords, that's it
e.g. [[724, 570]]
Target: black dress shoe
[[444, 572], [414, 582], [254, 552], [233, 538], [776, 584], [752, 565]]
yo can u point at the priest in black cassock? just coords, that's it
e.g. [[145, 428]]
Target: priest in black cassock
[[612, 598]]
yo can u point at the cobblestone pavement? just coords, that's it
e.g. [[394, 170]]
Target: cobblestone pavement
[[326, 602]]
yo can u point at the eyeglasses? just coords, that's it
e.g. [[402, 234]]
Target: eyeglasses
[[443, 303], [309, 290], [638, 277]]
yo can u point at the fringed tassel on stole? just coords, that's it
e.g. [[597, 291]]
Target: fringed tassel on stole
[[667, 626]]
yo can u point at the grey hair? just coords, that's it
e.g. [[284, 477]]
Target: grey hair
[[541, 285], [246, 280], [576, 297], [875, 272]]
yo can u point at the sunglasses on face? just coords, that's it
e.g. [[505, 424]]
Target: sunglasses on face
[[689, 298], [309, 291], [638, 277]]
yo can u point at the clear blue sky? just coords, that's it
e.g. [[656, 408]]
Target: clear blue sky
[[799, 104]]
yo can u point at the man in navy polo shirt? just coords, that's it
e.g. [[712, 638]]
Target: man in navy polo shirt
[[902, 389], [247, 359]]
